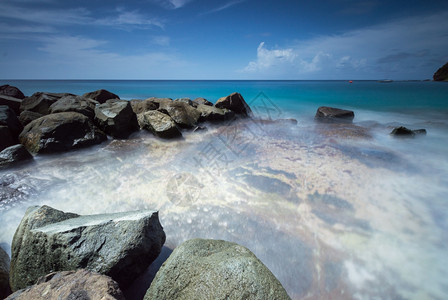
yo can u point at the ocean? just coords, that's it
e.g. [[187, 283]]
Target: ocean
[[334, 211]]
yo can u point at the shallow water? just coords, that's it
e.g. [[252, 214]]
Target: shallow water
[[334, 211]]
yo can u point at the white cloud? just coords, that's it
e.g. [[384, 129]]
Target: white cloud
[[132, 18], [171, 4], [161, 40], [223, 7]]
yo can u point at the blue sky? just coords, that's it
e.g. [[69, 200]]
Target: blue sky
[[230, 39]]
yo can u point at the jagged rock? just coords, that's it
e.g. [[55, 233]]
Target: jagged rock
[[60, 132], [187, 101], [441, 74], [182, 113], [10, 127], [159, 124], [13, 155], [71, 285], [79, 104], [41, 102], [405, 132], [11, 91], [27, 117], [212, 269], [4, 274], [119, 245], [203, 101], [101, 95], [211, 113], [235, 102], [116, 118], [331, 114], [141, 106], [13, 103]]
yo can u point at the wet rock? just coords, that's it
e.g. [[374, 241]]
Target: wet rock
[[80, 284], [182, 113], [214, 114], [6, 138], [213, 269], [60, 132], [28, 116], [331, 114], [200, 128], [4, 274], [202, 101], [11, 91], [40, 102], [159, 124], [72, 103], [101, 95], [12, 102], [141, 106], [441, 74], [13, 155], [116, 118], [10, 127], [119, 245], [235, 102], [406, 132]]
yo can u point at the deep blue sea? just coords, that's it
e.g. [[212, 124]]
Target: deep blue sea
[[335, 211]]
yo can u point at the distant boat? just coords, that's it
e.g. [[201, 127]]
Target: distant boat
[[350, 81], [385, 81]]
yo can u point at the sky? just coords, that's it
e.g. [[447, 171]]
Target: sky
[[228, 39]]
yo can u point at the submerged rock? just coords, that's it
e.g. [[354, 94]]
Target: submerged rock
[[10, 127], [116, 118], [101, 95], [71, 285], [441, 74], [13, 103], [213, 269], [120, 245], [325, 113], [406, 132], [235, 102], [11, 91], [72, 103], [4, 274], [159, 124], [182, 113], [40, 102], [60, 132], [13, 155]]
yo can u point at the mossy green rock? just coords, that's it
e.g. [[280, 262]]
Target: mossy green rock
[[214, 269]]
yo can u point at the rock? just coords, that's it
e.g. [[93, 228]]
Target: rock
[[212, 114], [200, 128], [235, 102], [441, 74], [212, 269], [187, 101], [405, 132], [202, 101], [10, 127], [101, 96], [82, 105], [119, 245], [41, 102], [28, 116], [331, 114], [141, 106], [13, 155], [159, 124], [11, 91], [71, 285], [60, 132], [182, 113], [6, 138], [4, 274], [13, 103], [116, 118]]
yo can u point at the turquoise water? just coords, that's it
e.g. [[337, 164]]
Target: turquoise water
[[340, 212]]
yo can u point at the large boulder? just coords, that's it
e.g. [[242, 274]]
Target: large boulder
[[40, 102], [82, 105], [182, 113], [331, 114], [28, 116], [71, 285], [13, 155], [187, 101], [441, 74], [116, 118], [203, 101], [13, 103], [4, 274], [159, 124], [141, 106], [12, 91], [60, 132], [212, 114], [235, 102], [101, 95], [10, 127], [212, 269], [119, 245]]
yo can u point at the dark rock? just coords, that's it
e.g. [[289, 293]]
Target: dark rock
[[331, 114], [141, 106], [71, 285], [214, 269], [4, 274], [6, 138], [182, 113], [11, 91], [406, 132], [202, 101], [41, 102], [200, 128], [72, 103], [119, 245], [28, 116], [441, 74], [213, 114], [13, 155], [235, 102], [10, 127], [60, 132], [159, 124], [13, 103], [101, 96], [116, 118]]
